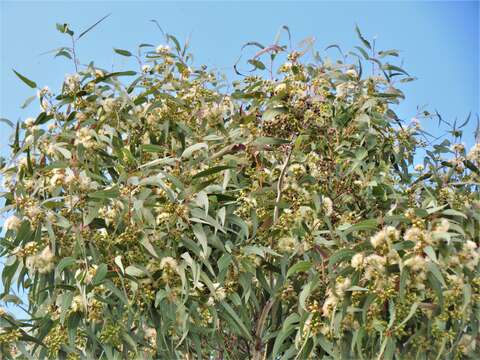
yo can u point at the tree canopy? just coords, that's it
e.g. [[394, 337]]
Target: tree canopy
[[170, 213]]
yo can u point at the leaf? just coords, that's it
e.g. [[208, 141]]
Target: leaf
[[100, 274], [134, 271], [27, 81], [271, 113], [191, 149], [118, 262], [91, 27], [122, 52], [238, 321], [257, 64], [211, 171], [28, 101], [431, 253], [452, 212], [436, 272], [370, 224], [404, 276], [300, 266], [339, 256], [64, 263], [8, 122], [105, 194], [412, 311], [362, 39], [304, 294], [391, 67], [64, 29], [270, 141], [64, 53], [152, 148]]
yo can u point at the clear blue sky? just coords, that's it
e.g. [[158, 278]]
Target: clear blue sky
[[439, 42]]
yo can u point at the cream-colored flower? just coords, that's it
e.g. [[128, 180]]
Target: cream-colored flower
[[162, 49], [42, 262], [280, 88], [474, 153], [43, 91], [352, 73], [357, 261], [12, 223], [341, 286], [286, 244], [220, 292], [72, 82], [78, 304], [85, 136], [416, 263], [413, 234], [386, 235], [327, 206], [442, 227], [109, 105], [329, 305], [419, 167], [458, 148], [169, 263]]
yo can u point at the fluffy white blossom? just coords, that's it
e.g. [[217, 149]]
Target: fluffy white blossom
[[419, 167], [474, 153], [327, 206], [162, 49], [12, 223], [72, 82], [386, 235], [42, 262], [416, 263], [357, 261], [169, 263]]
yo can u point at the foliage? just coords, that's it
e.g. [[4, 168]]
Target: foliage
[[282, 218]]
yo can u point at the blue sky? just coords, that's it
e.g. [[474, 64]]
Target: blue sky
[[439, 42]]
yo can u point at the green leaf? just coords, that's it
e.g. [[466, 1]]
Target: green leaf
[[134, 271], [105, 194], [237, 320], [362, 39], [122, 52], [436, 272], [270, 141], [153, 148], [271, 113], [404, 276], [211, 171], [27, 81], [257, 64], [191, 149], [100, 274], [300, 266], [64, 263], [91, 27], [412, 311], [339, 256], [370, 224], [8, 122]]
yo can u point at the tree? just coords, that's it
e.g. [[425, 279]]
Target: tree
[[282, 219]]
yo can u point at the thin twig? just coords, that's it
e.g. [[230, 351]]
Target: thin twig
[[280, 184], [74, 54]]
